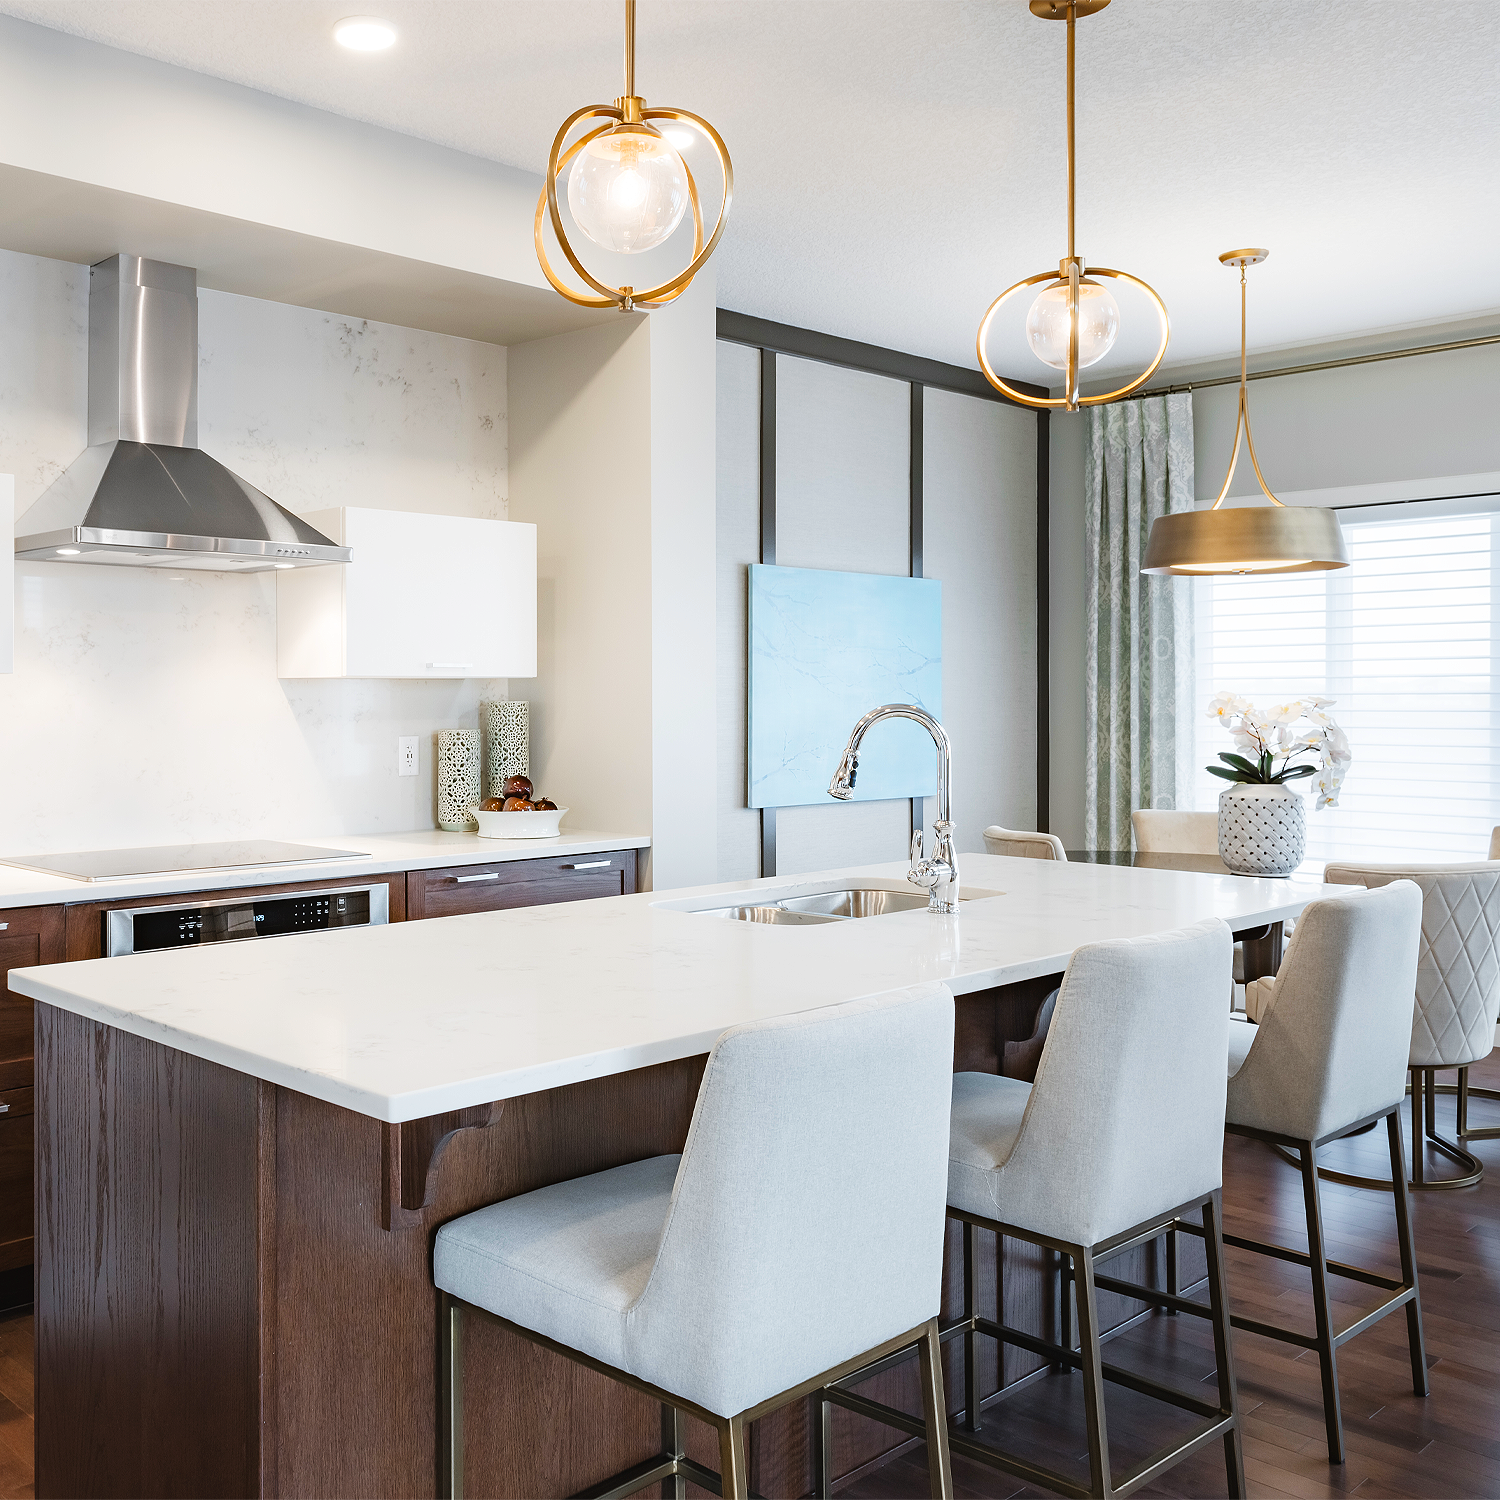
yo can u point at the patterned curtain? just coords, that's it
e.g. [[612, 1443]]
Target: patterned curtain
[[1139, 672]]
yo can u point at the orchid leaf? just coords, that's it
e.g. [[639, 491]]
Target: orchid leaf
[[1220, 771], [1235, 760]]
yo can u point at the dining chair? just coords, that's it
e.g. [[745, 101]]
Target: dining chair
[[1022, 845], [1161, 831], [1457, 1002]]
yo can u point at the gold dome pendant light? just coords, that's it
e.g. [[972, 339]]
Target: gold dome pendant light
[[1273, 538], [628, 190], [1074, 321]]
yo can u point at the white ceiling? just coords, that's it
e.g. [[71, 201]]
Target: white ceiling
[[899, 162]]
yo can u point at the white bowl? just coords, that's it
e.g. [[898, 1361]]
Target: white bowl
[[519, 825]]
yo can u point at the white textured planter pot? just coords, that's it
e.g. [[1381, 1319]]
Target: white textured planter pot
[[1262, 829]]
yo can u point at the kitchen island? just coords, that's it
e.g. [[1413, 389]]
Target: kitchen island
[[244, 1154]]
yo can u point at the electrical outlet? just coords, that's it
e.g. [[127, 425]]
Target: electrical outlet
[[406, 755]]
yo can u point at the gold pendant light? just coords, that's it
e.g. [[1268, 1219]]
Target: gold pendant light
[[1276, 538], [628, 190], [1074, 321]]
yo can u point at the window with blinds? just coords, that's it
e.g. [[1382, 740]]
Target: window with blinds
[[1405, 641]]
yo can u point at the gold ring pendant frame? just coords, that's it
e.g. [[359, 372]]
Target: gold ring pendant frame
[[1071, 270], [1072, 401], [626, 298]]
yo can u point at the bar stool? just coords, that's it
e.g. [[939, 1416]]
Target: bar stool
[[1329, 1059], [1117, 1138], [1458, 999], [798, 1236], [1022, 845]]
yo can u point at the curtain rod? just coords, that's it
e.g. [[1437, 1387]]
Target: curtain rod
[[1327, 364]]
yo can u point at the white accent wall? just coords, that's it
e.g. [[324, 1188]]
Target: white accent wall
[[145, 707], [842, 503]]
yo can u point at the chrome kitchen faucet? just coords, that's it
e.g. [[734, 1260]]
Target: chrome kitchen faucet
[[938, 876]]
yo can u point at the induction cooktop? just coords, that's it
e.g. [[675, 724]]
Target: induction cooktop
[[117, 864]]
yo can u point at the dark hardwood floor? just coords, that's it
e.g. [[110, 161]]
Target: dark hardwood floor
[[1445, 1446]]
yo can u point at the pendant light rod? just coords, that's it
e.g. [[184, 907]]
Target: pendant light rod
[[629, 49], [1072, 20], [1243, 258]]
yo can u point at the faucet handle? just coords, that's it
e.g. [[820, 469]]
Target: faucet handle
[[942, 826], [916, 846]]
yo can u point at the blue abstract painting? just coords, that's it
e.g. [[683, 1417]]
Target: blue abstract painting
[[825, 648]]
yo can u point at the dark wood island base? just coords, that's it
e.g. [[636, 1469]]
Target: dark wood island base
[[234, 1289]]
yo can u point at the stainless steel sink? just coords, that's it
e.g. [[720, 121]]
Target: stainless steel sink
[[771, 916], [861, 903], [825, 906]]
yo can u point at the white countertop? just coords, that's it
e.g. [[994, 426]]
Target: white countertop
[[416, 1018], [380, 854]]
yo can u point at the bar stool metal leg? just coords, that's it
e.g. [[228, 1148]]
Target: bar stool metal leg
[[939, 1461], [971, 1338], [673, 1446], [1414, 1339], [1318, 1255], [734, 1472], [1085, 1302], [1218, 1301]]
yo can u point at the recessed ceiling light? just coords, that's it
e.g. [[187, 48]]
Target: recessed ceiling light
[[364, 34]]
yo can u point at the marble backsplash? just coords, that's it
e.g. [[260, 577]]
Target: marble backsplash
[[145, 706]]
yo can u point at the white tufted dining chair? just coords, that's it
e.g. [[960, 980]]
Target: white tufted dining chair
[[1457, 999], [1022, 845]]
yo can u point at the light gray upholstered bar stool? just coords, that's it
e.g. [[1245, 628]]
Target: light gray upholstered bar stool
[[1020, 844], [1328, 1059], [799, 1235], [1118, 1137], [1458, 999]]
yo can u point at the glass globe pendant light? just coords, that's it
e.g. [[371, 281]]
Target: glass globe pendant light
[[628, 190], [1074, 320], [1275, 538]]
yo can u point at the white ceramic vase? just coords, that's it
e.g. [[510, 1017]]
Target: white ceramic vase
[[1262, 829]]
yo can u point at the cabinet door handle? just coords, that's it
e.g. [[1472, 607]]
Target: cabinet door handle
[[593, 864], [448, 666], [465, 879]]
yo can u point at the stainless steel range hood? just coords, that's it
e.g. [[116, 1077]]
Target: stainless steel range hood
[[143, 493]]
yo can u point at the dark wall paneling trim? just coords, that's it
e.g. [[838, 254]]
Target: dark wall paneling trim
[[767, 552], [1043, 623], [761, 333], [918, 823], [805, 343]]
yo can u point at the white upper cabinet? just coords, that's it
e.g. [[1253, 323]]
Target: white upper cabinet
[[422, 596], [7, 574]]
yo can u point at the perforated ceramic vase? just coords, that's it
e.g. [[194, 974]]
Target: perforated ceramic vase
[[457, 779], [1262, 829]]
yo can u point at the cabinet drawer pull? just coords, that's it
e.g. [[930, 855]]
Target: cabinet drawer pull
[[465, 879], [593, 864], [448, 666], [4, 1109], [3, 926]]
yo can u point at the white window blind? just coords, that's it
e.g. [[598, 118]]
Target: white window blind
[[1406, 641]]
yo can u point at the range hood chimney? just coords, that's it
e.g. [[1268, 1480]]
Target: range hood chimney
[[143, 493]]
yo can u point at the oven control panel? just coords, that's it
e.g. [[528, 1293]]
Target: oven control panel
[[148, 929]]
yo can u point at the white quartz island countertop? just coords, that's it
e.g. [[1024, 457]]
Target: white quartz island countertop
[[416, 1018]]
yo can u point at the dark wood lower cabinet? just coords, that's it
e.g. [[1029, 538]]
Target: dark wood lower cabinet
[[29, 935], [461, 889], [223, 1311]]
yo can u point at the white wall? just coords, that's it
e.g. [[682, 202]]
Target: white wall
[[145, 706], [580, 469], [843, 502], [1418, 420]]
